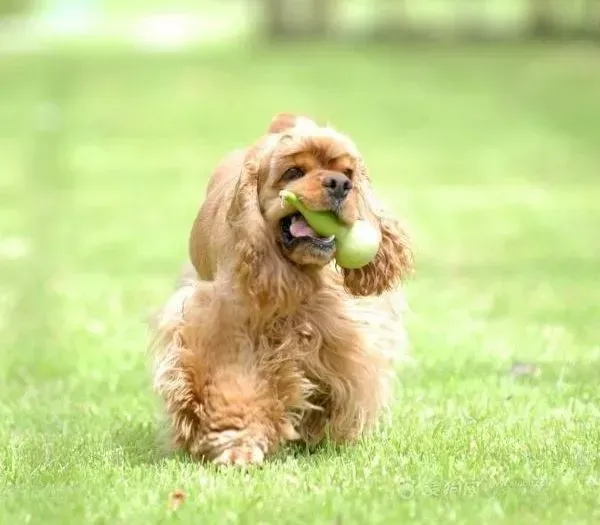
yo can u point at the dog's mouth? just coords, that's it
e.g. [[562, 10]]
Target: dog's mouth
[[295, 230]]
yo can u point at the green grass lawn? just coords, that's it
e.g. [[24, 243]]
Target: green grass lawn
[[493, 158]]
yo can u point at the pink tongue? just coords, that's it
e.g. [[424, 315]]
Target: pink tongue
[[299, 228]]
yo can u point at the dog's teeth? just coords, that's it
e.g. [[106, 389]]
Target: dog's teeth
[[330, 238]]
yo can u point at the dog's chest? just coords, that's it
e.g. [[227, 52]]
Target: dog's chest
[[295, 331]]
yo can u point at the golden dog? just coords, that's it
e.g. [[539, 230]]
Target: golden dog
[[266, 340]]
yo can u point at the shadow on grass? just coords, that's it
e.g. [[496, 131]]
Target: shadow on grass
[[142, 444], [310, 455], [147, 444]]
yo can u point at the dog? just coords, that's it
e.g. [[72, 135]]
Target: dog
[[265, 339]]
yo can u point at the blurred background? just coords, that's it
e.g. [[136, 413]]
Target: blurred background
[[479, 120], [163, 24], [480, 123]]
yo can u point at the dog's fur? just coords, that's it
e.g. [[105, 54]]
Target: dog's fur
[[265, 342]]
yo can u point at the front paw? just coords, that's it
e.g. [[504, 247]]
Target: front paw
[[250, 446], [240, 456]]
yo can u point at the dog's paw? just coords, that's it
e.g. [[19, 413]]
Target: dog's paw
[[240, 456]]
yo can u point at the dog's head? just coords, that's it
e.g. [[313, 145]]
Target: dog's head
[[325, 170]]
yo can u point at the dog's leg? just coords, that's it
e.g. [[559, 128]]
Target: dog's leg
[[352, 377], [220, 407], [358, 398], [352, 405]]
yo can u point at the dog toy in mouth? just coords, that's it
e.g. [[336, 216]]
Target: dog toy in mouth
[[356, 245]]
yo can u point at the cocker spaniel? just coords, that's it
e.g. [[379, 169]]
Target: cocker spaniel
[[266, 340]]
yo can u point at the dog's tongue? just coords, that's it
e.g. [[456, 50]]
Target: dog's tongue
[[299, 228]]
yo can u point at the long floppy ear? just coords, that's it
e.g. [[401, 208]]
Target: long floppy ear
[[393, 261], [264, 276]]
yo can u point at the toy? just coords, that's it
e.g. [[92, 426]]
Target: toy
[[356, 245]]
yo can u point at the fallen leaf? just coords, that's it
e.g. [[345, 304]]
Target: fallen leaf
[[176, 499]]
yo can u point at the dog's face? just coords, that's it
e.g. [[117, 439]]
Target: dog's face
[[275, 249], [320, 167]]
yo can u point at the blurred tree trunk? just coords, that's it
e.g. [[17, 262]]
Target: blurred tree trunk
[[543, 21], [322, 15], [394, 12], [14, 7], [292, 18], [275, 18], [470, 21], [591, 21], [392, 19]]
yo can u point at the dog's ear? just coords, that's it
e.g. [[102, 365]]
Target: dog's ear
[[264, 276], [284, 121], [393, 261], [281, 122]]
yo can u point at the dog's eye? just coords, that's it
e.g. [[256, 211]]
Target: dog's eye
[[348, 172], [292, 173]]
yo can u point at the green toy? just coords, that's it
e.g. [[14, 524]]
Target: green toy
[[356, 245]]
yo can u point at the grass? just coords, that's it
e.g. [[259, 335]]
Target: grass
[[490, 154]]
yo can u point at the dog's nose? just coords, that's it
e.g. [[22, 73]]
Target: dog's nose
[[337, 186]]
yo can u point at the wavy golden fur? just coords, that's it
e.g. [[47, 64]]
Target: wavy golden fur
[[265, 340]]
